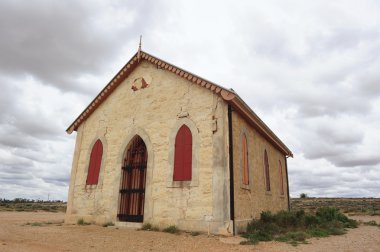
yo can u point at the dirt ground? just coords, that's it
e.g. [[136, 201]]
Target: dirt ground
[[18, 233]]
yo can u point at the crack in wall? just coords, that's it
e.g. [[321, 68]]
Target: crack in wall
[[185, 99]]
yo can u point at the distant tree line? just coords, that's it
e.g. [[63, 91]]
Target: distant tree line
[[22, 200]]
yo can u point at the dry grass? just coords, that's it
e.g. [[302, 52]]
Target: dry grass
[[349, 206], [30, 206], [297, 227]]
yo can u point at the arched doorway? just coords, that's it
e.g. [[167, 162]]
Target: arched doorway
[[133, 179]]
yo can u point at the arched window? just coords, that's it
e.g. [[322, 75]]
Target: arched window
[[281, 178], [244, 148], [183, 154], [266, 170], [95, 163]]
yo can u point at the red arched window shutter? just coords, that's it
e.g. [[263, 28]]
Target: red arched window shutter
[[281, 178], [267, 178], [183, 154], [245, 160], [95, 163]]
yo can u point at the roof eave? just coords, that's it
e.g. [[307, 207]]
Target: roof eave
[[228, 95], [104, 93], [255, 121]]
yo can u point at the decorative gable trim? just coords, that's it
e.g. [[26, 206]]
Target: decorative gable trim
[[228, 95], [129, 67]]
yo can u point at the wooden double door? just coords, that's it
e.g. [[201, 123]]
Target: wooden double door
[[133, 180]]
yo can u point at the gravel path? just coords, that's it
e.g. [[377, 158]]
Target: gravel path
[[15, 235]]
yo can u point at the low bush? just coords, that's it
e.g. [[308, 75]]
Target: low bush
[[149, 227], [82, 222], [108, 224], [36, 224], [43, 223], [296, 227], [317, 232], [303, 196], [371, 223], [171, 229]]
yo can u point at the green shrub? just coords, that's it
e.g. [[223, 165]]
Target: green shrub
[[303, 196], [370, 223], [317, 232], [82, 222], [351, 224], [249, 242], [36, 224], [297, 236], [293, 238], [108, 224], [326, 213], [296, 227], [195, 233], [171, 229], [149, 227], [311, 220], [269, 227], [146, 226], [286, 218], [266, 217], [336, 231]]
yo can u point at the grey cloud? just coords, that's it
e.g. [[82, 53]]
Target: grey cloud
[[339, 39], [330, 182], [57, 42], [340, 135], [62, 180], [328, 136], [369, 81], [15, 177], [329, 100], [16, 139], [7, 159], [312, 74], [34, 154], [352, 160]]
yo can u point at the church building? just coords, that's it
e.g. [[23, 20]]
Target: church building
[[161, 145]]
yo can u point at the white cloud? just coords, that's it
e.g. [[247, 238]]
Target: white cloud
[[310, 70]]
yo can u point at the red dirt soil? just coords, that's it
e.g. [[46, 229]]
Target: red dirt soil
[[17, 235]]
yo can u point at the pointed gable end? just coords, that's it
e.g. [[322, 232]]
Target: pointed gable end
[[228, 95]]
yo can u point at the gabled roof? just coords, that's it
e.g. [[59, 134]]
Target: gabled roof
[[227, 94]]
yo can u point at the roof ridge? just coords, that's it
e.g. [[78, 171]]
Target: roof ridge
[[229, 95], [181, 69]]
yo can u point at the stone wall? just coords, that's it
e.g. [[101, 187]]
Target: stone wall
[[154, 113], [251, 200]]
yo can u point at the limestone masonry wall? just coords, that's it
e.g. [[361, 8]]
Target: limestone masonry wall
[[154, 113], [251, 200]]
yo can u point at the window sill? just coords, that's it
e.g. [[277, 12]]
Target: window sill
[[182, 184], [245, 187], [268, 193], [92, 187]]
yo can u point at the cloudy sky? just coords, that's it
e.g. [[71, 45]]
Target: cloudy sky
[[310, 69]]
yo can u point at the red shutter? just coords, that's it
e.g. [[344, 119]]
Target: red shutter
[[245, 160], [183, 154], [267, 174], [281, 178], [95, 163]]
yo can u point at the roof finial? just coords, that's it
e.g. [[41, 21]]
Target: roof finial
[[139, 51]]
